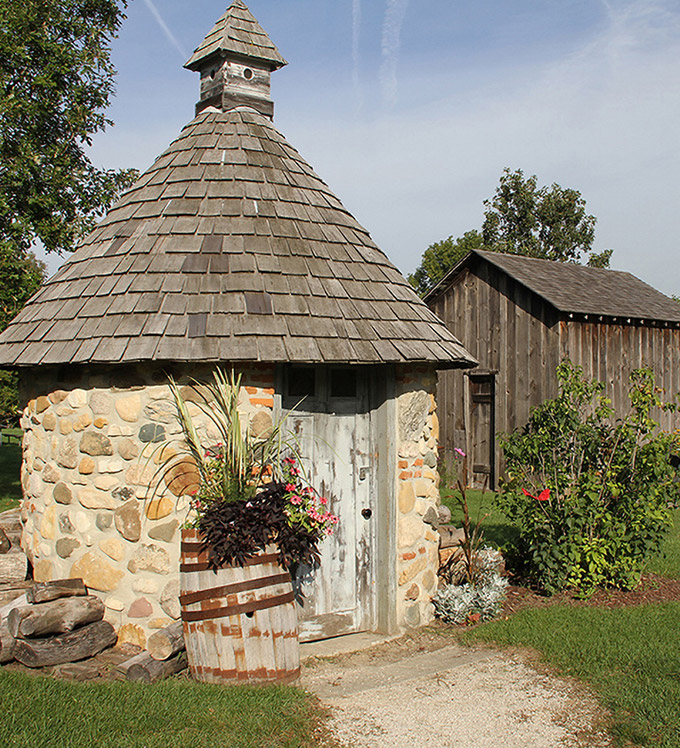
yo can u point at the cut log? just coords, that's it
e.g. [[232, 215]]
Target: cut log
[[55, 617], [166, 642], [13, 566], [86, 641], [7, 644], [5, 542], [43, 592], [148, 670]]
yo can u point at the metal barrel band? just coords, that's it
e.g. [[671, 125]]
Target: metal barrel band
[[268, 558], [233, 610], [230, 589]]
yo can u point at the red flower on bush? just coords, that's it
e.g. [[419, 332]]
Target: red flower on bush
[[543, 496]]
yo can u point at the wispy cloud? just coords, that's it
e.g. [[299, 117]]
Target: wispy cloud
[[356, 39], [166, 29], [391, 44]]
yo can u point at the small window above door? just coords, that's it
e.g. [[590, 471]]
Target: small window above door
[[343, 383]]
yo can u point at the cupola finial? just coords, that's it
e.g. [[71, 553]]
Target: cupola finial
[[235, 61]]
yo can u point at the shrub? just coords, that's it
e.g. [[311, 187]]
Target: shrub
[[589, 495], [472, 603]]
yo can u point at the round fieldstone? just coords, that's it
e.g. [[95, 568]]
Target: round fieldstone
[[41, 404], [77, 398], [66, 546], [68, 454], [170, 599], [104, 520], [165, 532], [51, 473], [62, 494], [140, 608], [413, 592], [65, 524], [413, 412], [128, 449], [128, 522], [431, 517], [159, 508], [49, 422], [412, 617], [261, 425], [96, 572], [407, 498], [150, 558], [430, 459], [82, 422], [100, 403], [151, 433], [129, 408], [123, 493], [86, 466], [93, 499], [95, 444], [65, 426], [162, 411], [113, 548]]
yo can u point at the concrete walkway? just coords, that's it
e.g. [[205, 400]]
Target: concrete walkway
[[395, 696]]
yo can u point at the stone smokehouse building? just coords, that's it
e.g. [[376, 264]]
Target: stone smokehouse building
[[230, 250]]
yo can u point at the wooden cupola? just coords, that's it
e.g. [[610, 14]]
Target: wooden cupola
[[235, 61]]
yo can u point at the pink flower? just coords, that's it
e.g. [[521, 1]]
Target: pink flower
[[290, 488], [459, 452], [296, 500], [323, 501]]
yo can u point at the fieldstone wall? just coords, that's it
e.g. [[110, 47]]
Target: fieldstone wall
[[418, 495], [92, 450], [99, 502]]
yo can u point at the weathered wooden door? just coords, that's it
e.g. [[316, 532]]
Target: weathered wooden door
[[333, 426], [482, 427]]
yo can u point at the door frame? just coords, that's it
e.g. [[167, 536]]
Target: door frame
[[382, 420], [481, 375]]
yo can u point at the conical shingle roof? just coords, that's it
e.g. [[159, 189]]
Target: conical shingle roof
[[228, 248], [237, 33]]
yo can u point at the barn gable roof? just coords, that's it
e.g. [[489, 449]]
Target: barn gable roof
[[577, 289], [229, 248], [237, 33]]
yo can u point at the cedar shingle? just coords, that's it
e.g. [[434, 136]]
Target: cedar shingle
[[254, 254]]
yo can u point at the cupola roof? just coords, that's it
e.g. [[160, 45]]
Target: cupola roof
[[237, 34]]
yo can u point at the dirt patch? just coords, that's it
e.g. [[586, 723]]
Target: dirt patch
[[652, 589], [423, 692]]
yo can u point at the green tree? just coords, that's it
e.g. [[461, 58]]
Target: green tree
[[440, 257], [521, 219], [56, 79], [547, 222]]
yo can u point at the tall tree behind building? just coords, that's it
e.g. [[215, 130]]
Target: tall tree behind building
[[521, 219], [56, 81]]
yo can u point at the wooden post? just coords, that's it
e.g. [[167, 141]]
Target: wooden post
[[84, 642]]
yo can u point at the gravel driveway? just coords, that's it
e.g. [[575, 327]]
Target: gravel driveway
[[404, 696]]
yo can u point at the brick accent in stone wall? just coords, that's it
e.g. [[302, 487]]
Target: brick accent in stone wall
[[91, 452], [417, 495]]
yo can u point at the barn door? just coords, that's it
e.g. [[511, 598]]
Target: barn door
[[332, 425], [482, 427]]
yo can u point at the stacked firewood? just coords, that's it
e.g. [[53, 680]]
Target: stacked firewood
[[58, 622], [54, 623], [165, 655]]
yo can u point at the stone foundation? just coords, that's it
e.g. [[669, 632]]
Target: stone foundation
[[99, 502]]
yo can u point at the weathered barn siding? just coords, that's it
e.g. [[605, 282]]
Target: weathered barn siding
[[610, 351], [519, 337], [515, 338]]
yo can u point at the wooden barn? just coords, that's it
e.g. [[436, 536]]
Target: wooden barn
[[231, 251], [519, 317]]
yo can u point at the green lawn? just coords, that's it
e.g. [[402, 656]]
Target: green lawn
[[629, 656], [10, 479], [39, 712]]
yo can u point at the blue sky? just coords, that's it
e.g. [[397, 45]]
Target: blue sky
[[410, 109]]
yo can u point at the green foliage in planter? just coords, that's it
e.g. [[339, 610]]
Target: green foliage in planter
[[589, 495]]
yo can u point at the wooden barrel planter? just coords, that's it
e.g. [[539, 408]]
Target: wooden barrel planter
[[240, 623]]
